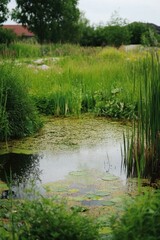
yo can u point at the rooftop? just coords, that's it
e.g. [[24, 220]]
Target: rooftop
[[19, 30]]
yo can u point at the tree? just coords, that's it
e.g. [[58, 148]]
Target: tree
[[117, 35], [116, 20], [136, 29], [3, 10], [116, 31], [150, 38], [50, 20]]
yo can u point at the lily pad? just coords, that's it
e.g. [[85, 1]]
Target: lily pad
[[78, 173], [76, 199], [107, 203], [73, 190], [91, 196], [102, 193], [117, 200], [109, 177], [91, 203]]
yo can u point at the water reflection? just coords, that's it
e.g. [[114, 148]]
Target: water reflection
[[50, 166], [66, 145], [19, 167]]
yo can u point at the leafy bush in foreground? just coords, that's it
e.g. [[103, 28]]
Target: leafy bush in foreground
[[141, 219], [45, 219]]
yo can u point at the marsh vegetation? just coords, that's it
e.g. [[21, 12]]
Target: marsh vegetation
[[71, 81]]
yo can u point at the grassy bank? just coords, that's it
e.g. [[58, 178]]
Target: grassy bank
[[72, 80], [66, 80]]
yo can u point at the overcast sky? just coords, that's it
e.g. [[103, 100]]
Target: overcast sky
[[100, 11]]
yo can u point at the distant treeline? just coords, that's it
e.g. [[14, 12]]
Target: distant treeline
[[62, 22], [117, 35], [110, 35]]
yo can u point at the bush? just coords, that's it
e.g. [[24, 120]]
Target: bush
[[18, 115], [45, 219], [141, 219], [7, 36]]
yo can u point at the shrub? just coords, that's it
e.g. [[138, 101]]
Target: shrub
[[45, 219], [7, 36], [18, 116], [141, 219]]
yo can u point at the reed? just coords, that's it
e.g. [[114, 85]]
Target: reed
[[142, 151]]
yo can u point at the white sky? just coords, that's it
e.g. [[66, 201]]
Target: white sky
[[100, 11]]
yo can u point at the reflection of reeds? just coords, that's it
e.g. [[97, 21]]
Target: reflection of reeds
[[142, 150]]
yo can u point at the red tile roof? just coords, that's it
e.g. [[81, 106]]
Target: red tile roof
[[19, 30]]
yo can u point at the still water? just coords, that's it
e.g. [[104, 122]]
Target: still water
[[63, 146]]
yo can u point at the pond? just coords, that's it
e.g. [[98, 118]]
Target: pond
[[65, 145]]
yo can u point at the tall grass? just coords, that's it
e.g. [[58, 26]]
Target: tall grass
[[17, 113], [78, 80], [142, 152], [101, 82], [34, 50]]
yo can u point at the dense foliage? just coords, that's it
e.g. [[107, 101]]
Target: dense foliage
[[45, 219], [140, 221], [3, 10], [17, 112], [7, 36], [50, 20], [117, 35]]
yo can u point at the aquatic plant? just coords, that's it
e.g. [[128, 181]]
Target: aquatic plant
[[142, 151]]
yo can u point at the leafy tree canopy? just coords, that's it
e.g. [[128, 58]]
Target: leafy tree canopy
[[50, 20], [3, 10]]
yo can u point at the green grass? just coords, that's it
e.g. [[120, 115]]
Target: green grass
[[103, 81], [84, 80]]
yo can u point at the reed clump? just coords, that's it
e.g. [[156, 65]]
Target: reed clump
[[142, 152], [18, 116]]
